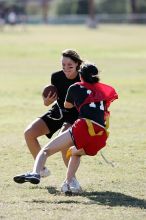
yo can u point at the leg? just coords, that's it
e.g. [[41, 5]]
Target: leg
[[61, 142], [32, 132], [64, 150], [70, 184], [36, 129], [74, 163]]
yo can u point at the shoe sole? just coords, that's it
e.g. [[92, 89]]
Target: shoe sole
[[68, 193], [19, 179], [24, 179], [32, 180]]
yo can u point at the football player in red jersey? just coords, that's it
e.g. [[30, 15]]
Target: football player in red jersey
[[89, 132]]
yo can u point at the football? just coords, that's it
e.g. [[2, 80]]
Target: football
[[49, 88]]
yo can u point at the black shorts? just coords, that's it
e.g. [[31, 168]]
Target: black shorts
[[56, 117]]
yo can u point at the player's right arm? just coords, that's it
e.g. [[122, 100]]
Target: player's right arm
[[49, 99], [69, 100]]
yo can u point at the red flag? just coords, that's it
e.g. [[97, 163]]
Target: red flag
[[99, 92]]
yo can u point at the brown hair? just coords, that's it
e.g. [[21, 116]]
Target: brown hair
[[89, 73], [73, 55]]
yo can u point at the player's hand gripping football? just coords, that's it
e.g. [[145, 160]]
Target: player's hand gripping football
[[49, 99]]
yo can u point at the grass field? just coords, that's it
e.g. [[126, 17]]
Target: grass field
[[27, 58]]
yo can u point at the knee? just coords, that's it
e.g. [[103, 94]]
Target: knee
[[29, 133], [76, 152]]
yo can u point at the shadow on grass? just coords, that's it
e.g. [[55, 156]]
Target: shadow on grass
[[114, 199], [51, 189], [106, 198]]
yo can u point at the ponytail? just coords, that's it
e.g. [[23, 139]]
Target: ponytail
[[89, 73]]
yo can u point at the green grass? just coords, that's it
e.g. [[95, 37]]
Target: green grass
[[27, 58]]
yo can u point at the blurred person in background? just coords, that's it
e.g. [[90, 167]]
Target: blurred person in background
[[2, 17], [88, 134], [12, 17]]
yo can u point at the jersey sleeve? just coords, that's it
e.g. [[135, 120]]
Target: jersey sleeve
[[53, 79], [70, 95]]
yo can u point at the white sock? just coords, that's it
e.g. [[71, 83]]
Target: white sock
[[40, 162]]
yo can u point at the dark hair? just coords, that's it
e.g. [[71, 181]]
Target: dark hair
[[73, 55], [89, 73]]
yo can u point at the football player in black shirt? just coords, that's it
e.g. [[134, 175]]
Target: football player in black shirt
[[57, 117], [88, 133]]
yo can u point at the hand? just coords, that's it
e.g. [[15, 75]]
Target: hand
[[49, 99]]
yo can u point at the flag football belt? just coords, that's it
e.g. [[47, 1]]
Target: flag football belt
[[68, 153], [91, 132], [91, 128]]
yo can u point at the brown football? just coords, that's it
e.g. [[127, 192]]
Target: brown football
[[49, 88]]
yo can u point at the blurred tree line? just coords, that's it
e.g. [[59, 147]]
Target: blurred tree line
[[101, 6], [45, 8], [61, 7]]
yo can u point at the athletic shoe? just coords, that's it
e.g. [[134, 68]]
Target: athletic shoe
[[45, 172], [33, 178], [65, 188], [75, 186]]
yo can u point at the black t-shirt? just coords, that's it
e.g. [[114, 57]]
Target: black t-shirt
[[95, 111], [62, 84]]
